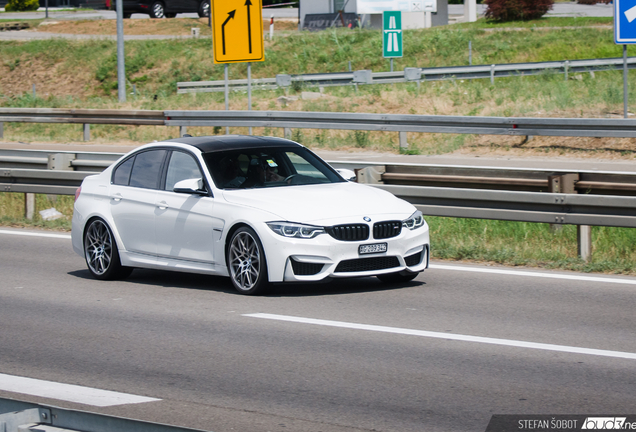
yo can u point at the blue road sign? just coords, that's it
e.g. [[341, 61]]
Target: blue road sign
[[625, 21]]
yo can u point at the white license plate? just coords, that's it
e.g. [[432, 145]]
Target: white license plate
[[372, 248]]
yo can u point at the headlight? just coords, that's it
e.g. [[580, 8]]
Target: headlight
[[294, 230], [415, 221]]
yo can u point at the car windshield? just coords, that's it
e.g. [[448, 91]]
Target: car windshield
[[268, 167]]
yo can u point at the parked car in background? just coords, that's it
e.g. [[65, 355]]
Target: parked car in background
[[164, 8], [257, 209]]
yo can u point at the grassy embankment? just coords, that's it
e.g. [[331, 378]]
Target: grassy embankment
[[82, 74]]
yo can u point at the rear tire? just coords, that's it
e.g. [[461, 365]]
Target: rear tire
[[246, 262], [398, 277], [101, 253], [157, 10], [204, 9]]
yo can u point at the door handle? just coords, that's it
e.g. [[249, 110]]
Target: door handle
[[162, 205], [117, 197]]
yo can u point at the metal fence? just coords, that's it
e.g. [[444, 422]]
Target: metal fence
[[19, 416], [493, 71], [402, 123], [407, 123], [531, 195]]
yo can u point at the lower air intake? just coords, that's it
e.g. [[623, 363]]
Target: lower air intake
[[305, 269], [413, 260], [367, 264]]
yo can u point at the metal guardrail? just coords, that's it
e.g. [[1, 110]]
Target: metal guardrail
[[86, 117], [480, 193], [19, 416], [596, 210], [402, 123], [82, 116], [408, 123], [412, 75]]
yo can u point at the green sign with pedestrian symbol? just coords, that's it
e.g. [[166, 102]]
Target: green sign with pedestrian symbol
[[392, 33]]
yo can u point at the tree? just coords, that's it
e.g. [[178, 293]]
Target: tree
[[517, 10], [22, 5]]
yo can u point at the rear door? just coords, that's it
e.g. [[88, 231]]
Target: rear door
[[133, 195]]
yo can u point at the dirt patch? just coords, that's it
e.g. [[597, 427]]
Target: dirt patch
[[163, 27], [579, 147], [49, 80]]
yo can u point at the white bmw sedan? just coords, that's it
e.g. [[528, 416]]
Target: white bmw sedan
[[257, 209]]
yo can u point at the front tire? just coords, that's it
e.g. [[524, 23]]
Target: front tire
[[246, 262], [397, 277], [157, 10], [204, 9], [101, 253]]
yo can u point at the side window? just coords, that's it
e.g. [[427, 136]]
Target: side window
[[182, 166], [121, 176], [147, 169]]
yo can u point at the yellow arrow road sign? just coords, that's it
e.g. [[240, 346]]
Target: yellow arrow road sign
[[237, 27]]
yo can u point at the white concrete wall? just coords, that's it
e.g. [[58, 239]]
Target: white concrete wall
[[321, 7], [410, 20]]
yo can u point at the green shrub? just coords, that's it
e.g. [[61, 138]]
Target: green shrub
[[22, 5]]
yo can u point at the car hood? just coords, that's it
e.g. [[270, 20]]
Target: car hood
[[324, 204]]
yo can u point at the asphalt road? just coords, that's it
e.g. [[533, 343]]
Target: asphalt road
[[434, 362]]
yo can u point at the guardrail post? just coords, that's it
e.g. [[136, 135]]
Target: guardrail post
[[288, 133], [403, 143], [565, 183], [584, 241], [492, 74], [29, 205], [87, 132], [1, 130], [566, 67], [183, 130]]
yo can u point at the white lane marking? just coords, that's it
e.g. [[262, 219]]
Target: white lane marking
[[68, 392], [534, 274], [448, 336], [34, 234]]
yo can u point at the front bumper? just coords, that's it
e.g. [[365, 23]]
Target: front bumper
[[305, 260]]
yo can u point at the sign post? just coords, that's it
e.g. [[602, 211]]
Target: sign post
[[624, 34], [392, 35], [237, 37]]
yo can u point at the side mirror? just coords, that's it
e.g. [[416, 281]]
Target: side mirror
[[347, 174], [190, 186]]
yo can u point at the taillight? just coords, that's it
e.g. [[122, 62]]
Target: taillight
[[77, 193]]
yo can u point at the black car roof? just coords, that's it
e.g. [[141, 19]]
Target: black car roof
[[209, 144]]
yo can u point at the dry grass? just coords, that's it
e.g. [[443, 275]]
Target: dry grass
[[166, 27]]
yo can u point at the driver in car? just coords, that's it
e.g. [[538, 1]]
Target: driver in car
[[262, 170]]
